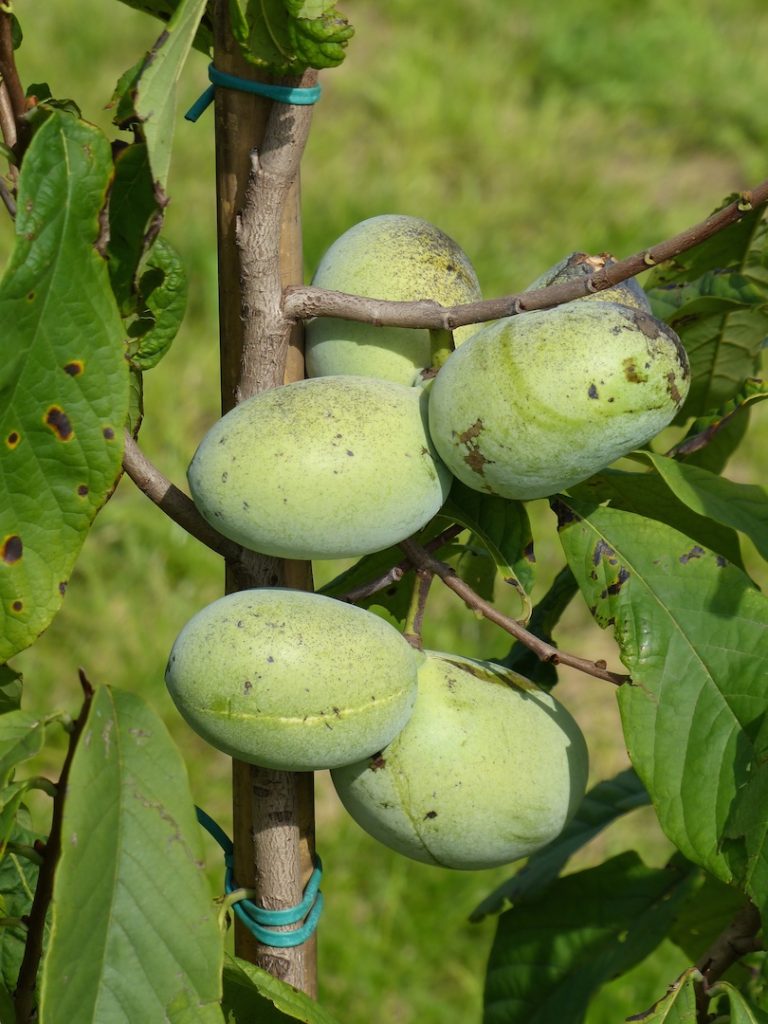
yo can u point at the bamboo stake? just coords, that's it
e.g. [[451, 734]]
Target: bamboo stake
[[273, 812]]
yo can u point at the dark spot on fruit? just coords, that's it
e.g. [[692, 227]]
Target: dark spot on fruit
[[270, 660], [565, 515], [615, 587], [224, 477], [672, 388], [349, 452], [476, 461], [592, 391], [644, 322], [74, 367], [430, 814], [720, 561], [603, 550], [377, 762], [246, 506], [328, 725], [611, 399], [695, 552], [472, 432], [13, 439], [17, 606], [82, 490], [12, 549], [631, 372], [336, 711], [63, 587], [59, 423], [239, 623], [108, 433], [247, 687]]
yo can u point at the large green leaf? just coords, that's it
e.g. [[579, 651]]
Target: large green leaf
[[134, 211], [134, 934], [715, 297], [677, 1006], [147, 93], [693, 633], [286, 37], [165, 9], [549, 957], [63, 376], [741, 506], [253, 995], [602, 805]]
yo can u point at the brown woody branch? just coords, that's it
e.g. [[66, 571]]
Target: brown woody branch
[[422, 559], [306, 302], [14, 128], [174, 502], [734, 942]]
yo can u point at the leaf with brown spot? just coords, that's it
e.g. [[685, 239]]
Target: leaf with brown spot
[[52, 419]]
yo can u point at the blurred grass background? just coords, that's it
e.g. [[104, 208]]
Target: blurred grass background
[[526, 131]]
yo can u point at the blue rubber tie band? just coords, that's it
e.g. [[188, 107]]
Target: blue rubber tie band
[[300, 95], [260, 922]]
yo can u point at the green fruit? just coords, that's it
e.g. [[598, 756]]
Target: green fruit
[[330, 468], [488, 769], [387, 257], [292, 680], [534, 403], [579, 265]]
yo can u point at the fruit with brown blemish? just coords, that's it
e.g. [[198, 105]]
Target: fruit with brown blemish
[[580, 265], [292, 680], [333, 467], [488, 769], [535, 403], [397, 257]]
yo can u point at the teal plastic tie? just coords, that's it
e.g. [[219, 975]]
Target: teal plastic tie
[[300, 95], [261, 922]]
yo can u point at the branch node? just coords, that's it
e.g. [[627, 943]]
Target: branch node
[[648, 259], [745, 202]]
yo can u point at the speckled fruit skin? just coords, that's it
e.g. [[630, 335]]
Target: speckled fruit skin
[[488, 769], [292, 680], [537, 402], [335, 467], [387, 257], [580, 265]]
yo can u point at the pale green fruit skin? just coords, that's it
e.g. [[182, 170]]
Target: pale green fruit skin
[[534, 403], [391, 256], [292, 680], [578, 265], [488, 769], [335, 467]]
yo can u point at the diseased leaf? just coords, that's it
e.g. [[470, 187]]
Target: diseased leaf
[[286, 37], [63, 375], [550, 956], [505, 530], [742, 507], [601, 806], [678, 1006], [134, 934], [252, 994], [693, 633], [146, 94]]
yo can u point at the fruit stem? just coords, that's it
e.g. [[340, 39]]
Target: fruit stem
[[414, 620]]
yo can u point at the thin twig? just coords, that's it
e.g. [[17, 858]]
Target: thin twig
[[396, 572], [306, 302], [174, 502], [734, 942], [421, 558], [16, 137], [25, 995], [414, 621]]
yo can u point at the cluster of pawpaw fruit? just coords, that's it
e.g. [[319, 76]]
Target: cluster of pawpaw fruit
[[448, 760]]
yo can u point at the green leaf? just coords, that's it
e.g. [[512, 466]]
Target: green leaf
[[693, 633], [165, 9], [7, 1010], [22, 735], [18, 880], [745, 843], [505, 530], [63, 375], [147, 93], [252, 994], [741, 1011], [678, 1006], [10, 689], [704, 915], [715, 298], [286, 37], [134, 934], [546, 615], [162, 294], [474, 565], [549, 957], [602, 805], [134, 210], [712, 439], [650, 495], [743, 507]]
